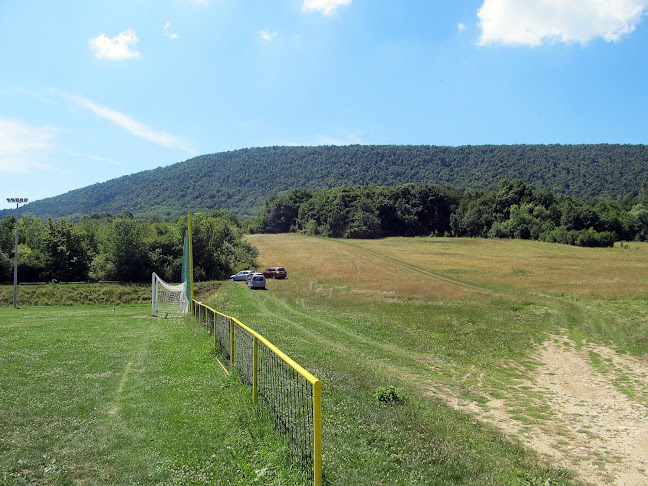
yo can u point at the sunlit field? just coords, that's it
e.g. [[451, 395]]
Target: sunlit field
[[92, 396], [396, 267], [414, 339], [437, 317]]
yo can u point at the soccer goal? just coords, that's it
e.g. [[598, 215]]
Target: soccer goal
[[174, 300], [168, 300]]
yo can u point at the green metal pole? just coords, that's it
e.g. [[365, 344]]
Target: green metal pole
[[15, 296]]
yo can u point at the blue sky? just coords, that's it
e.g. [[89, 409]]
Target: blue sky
[[93, 90]]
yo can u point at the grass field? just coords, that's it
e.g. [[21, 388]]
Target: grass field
[[432, 317], [92, 397]]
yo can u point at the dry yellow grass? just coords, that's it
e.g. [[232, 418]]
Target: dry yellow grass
[[526, 265], [456, 268], [334, 267]]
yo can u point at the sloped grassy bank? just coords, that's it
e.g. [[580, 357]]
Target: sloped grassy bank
[[78, 294]]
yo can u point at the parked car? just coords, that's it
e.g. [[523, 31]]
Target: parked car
[[241, 276], [275, 272], [257, 281]]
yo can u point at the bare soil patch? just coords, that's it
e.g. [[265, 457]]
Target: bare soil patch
[[596, 423]]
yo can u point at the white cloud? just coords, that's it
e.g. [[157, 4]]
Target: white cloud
[[267, 36], [521, 22], [133, 126], [327, 7], [461, 27], [115, 48], [21, 145], [167, 33]]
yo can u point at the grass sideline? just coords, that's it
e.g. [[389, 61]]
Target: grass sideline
[[92, 396]]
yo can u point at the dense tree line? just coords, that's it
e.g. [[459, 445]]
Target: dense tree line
[[513, 210], [106, 247], [240, 181]]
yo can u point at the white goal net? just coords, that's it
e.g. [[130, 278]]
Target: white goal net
[[168, 300]]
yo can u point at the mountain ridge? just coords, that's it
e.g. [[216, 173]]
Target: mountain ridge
[[239, 181]]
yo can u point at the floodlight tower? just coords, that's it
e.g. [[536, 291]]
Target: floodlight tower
[[17, 200]]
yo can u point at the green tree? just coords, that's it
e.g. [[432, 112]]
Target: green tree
[[66, 255], [218, 250], [128, 253], [5, 267], [364, 221], [280, 212]]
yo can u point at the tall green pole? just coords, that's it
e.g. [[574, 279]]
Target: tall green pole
[[191, 276], [15, 296]]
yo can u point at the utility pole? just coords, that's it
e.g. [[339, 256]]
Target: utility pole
[[17, 200]]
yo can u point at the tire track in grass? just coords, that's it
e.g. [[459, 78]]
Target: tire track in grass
[[114, 405], [414, 268], [117, 396], [280, 310]]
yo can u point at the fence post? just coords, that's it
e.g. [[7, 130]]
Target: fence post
[[317, 433], [231, 343], [255, 348], [215, 332]]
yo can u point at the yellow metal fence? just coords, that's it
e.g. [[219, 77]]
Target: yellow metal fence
[[286, 392]]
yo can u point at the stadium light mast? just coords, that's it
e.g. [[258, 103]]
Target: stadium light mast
[[17, 200]]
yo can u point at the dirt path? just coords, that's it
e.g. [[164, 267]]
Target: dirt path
[[597, 412]]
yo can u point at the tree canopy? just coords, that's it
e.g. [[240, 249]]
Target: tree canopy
[[513, 210], [105, 247]]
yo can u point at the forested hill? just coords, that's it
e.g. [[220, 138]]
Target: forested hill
[[239, 181]]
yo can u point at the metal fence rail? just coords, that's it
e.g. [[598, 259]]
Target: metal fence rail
[[287, 393]]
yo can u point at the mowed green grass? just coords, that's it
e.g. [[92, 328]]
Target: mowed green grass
[[92, 396], [431, 316]]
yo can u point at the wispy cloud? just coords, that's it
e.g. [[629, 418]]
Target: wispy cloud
[[133, 126], [22, 145], [520, 22], [167, 32], [96, 158], [461, 27], [326, 7], [267, 36], [115, 48]]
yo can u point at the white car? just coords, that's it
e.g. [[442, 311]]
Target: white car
[[241, 276]]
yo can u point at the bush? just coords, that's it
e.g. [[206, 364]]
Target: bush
[[390, 394], [591, 238]]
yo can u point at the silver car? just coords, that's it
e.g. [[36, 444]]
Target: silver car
[[257, 281], [241, 276]]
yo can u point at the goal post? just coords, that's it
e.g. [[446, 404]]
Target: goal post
[[168, 300], [175, 300]]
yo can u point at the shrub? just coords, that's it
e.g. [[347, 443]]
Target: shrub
[[390, 394]]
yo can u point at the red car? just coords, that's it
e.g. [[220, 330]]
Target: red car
[[275, 272]]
